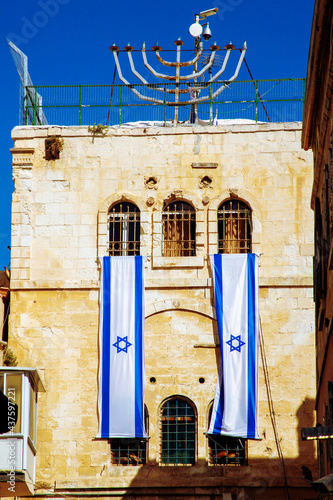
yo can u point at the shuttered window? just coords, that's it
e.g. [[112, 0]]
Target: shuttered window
[[234, 227], [124, 229], [178, 239]]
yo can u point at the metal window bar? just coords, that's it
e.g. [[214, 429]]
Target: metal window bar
[[124, 229], [234, 227], [178, 230], [177, 433], [128, 451], [226, 450]]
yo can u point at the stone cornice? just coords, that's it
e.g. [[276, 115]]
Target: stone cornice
[[22, 156], [152, 283]]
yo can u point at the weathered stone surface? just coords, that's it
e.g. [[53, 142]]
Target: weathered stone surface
[[59, 228]]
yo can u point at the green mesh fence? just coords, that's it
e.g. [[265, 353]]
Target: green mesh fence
[[254, 100]]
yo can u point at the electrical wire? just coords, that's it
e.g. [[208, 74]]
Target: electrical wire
[[271, 405], [260, 97]]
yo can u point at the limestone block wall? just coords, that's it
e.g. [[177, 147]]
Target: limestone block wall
[[59, 229]]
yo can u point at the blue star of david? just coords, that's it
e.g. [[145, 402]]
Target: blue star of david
[[235, 347], [122, 340]]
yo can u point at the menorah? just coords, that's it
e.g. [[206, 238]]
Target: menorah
[[193, 91]]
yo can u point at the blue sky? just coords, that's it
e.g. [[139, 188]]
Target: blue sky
[[67, 42]]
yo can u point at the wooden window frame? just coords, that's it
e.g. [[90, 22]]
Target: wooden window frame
[[178, 229], [234, 225], [124, 229]]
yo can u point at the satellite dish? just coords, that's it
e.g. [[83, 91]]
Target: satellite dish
[[195, 29]]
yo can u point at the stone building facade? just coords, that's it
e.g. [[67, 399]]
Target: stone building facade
[[66, 207]]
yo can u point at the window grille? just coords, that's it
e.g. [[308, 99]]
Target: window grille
[[177, 421], [178, 230], [124, 229], [130, 451], [234, 227], [226, 450]]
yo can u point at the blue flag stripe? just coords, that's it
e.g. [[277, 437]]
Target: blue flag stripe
[[139, 424], [122, 365], [236, 290], [251, 404], [218, 290], [106, 348]]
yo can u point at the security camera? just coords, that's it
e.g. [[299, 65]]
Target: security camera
[[210, 12], [206, 34]]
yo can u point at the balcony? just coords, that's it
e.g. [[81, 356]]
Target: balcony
[[18, 445]]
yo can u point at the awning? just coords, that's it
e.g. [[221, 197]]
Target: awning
[[324, 484]]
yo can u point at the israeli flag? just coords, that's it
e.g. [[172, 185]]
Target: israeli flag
[[121, 340], [236, 290]]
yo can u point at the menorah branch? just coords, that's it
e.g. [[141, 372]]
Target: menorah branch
[[177, 78]]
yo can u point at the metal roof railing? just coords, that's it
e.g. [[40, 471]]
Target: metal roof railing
[[247, 101]]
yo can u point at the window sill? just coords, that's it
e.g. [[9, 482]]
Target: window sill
[[170, 262], [226, 465], [127, 465], [175, 465]]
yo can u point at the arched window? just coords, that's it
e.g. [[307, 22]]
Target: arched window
[[178, 229], [234, 227], [124, 229], [130, 451], [225, 450], [178, 433]]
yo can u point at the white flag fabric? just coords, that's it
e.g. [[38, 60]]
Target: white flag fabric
[[121, 340], [236, 290]]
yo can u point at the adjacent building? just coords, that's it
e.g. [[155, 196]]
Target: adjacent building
[[317, 135]]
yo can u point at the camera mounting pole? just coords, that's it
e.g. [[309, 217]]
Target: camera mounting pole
[[196, 31]]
